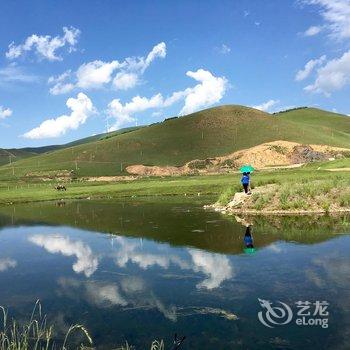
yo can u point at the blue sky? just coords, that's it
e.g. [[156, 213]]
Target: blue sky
[[70, 69]]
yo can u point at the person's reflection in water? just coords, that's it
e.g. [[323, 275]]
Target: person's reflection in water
[[248, 238]]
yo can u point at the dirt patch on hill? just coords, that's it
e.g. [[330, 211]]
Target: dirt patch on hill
[[286, 153], [155, 170], [59, 175], [110, 178], [267, 155]]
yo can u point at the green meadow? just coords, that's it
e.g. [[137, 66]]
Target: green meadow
[[217, 186]]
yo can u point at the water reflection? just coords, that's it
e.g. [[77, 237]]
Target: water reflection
[[86, 262], [99, 294], [127, 250], [216, 267], [179, 225], [248, 238], [7, 263], [186, 274]]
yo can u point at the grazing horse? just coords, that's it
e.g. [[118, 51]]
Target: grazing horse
[[60, 188]]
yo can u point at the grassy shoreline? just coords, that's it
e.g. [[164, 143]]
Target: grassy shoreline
[[222, 186], [11, 193], [300, 196]]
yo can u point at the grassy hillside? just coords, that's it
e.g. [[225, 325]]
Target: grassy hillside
[[333, 128], [15, 154], [100, 137], [212, 132], [12, 155]]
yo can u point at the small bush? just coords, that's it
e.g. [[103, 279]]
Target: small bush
[[284, 198], [344, 199], [326, 206]]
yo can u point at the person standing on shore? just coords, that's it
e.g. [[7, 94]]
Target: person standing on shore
[[245, 181]]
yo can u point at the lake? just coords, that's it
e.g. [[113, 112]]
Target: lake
[[138, 270]]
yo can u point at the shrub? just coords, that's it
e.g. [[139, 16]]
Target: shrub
[[326, 205], [344, 199]]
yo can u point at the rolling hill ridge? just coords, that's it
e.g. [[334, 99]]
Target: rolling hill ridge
[[209, 133], [14, 154]]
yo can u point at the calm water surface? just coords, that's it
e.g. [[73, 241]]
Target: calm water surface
[[139, 271]]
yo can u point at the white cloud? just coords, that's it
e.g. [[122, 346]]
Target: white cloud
[[210, 90], [158, 51], [334, 75], [267, 106], [45, 46], [142, 63], [176, 96], [13, 73], [125, 81], [123, 114], [5, 112], [81, 107], [336, 14], [97, 74], [60, 87], [309, 67], [7, 263], [86, 262], [313, 30]]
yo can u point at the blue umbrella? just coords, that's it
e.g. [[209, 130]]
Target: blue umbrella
[[246, 169]]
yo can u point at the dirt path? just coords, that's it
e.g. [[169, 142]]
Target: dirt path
[[338, 169]]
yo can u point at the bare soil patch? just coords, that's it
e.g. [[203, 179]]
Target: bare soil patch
[[276, 154]]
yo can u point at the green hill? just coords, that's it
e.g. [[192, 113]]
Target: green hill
[[333, 128], [212, 132], [15, 154], [12, 155]]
